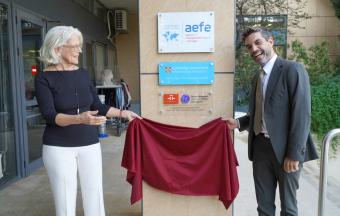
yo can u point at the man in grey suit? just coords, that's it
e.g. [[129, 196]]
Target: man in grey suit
[[278, 122]]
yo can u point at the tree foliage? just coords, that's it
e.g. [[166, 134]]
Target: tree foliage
[[336, 4], [319, 66], [293, 9]]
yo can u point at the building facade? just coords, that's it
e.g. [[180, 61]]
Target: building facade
[[133, 56], [23, 25]]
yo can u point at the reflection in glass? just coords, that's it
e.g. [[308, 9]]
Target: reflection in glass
[[7, 140], [100, 60], [31, 42], [89, 61]]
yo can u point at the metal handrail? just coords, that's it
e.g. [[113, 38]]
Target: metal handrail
[[323, 169]]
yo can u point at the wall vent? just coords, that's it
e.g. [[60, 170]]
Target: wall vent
[[121, 21]]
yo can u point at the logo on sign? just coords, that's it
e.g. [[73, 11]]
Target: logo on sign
[[168, 69], [170, 36], [185, 99], [170, 99], [201, 27]]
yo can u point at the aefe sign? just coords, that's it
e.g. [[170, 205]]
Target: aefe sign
[[186, 32]]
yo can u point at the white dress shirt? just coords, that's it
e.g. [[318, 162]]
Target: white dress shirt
[[267, 68]]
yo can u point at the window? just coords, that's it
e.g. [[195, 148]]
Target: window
[[100, 61], [277, 24], [93, 6], [8, 159]]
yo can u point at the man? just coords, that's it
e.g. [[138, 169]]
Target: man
[[278, 122]]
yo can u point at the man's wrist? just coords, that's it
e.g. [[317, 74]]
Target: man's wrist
[[238, 123]]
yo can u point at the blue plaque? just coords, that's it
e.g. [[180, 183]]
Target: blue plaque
[[186, 73]]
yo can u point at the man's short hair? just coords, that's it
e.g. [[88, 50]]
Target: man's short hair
[[264, 31]]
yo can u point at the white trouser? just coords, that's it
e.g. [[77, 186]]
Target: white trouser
[[62, 164]]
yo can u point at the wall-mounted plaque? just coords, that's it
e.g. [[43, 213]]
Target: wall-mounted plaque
[[186, 102], [186, 73], [186, 32]]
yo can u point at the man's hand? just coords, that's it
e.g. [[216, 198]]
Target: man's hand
[[290, 165], [232, 123]]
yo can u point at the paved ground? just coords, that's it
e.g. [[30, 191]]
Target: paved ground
[[245, 204], [32, 196]]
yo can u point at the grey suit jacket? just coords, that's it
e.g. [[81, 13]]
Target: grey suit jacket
[[287, 112]]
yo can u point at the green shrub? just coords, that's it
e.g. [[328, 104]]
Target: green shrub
[[326, 106], [316, 60], [324, 76], [336, 4]]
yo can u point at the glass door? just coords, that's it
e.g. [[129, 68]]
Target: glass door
[[8, 159], [30, 30]]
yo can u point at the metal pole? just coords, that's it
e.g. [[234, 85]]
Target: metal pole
[[323, 169]]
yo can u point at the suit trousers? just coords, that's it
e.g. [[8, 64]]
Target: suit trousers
[[62, 165], [268, 173]]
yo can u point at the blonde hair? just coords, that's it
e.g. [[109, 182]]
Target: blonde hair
[[56, 37]]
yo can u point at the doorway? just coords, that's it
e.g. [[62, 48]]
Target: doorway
[[8, 156], [29, 30]]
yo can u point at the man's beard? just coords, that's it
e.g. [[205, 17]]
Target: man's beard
[[265, 56]]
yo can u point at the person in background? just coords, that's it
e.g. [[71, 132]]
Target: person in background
[[69, 103], [107, 77], [278, 122]]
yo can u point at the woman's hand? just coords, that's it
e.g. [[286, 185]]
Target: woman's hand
[[91, 118], [129, 115], [114, 112]]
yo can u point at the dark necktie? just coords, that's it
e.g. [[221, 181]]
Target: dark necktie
[[258, 104]]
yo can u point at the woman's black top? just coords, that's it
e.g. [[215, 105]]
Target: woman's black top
[[65, 92]]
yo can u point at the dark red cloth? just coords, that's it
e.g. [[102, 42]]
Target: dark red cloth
[[181, 160]]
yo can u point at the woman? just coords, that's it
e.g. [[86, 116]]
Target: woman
[[72, 110]]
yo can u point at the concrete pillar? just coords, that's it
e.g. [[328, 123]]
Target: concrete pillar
[[157, 202]]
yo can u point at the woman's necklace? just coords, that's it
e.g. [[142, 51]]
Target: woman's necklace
[[74, 84], [76, 92]]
